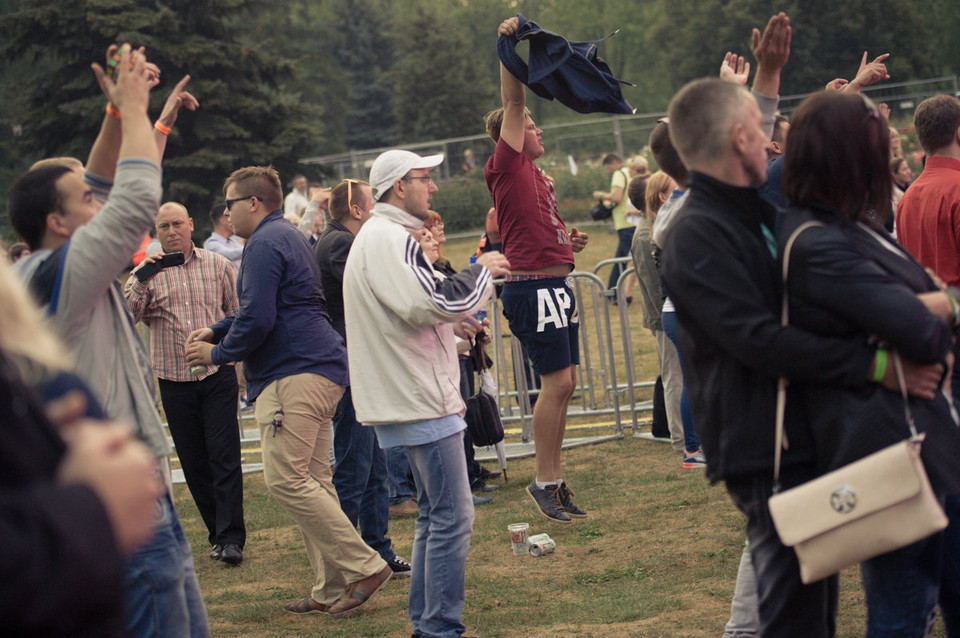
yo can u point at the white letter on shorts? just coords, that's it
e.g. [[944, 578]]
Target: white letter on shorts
[[547, 310]]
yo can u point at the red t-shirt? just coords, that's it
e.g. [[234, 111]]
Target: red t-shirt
[[531, 230]]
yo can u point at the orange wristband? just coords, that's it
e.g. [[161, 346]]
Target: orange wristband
[[163, 129], [112, 111]]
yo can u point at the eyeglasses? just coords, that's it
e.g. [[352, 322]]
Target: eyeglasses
[[438, 226], [425, 178], [230, 202]]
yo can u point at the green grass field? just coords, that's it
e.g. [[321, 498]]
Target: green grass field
[[657, 556]]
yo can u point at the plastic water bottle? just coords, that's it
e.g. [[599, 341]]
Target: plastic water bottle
[[481, 314]]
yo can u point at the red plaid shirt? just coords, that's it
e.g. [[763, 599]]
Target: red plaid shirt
[[178, 301]]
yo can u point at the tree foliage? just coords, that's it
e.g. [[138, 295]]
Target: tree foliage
[[248, 113], [309, 77]]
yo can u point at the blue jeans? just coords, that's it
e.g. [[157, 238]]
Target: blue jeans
[[398, 467], [361, 477], [904, 586], [162, 595], [950, 578], [441, 537], [690, 439], [624, 239]]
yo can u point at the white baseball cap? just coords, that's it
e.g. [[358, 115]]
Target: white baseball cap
[[392, 165]]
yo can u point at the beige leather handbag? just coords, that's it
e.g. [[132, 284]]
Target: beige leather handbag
[[872, 506]]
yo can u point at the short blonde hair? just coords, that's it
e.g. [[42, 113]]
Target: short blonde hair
[[262, 182], [638, 165], [494, 120]]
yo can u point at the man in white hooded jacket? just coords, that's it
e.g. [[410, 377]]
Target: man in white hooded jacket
[[401, 321]]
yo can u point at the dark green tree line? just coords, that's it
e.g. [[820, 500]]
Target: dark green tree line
[[309, 77], [250, 111]]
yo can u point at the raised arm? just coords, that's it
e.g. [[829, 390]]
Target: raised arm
[[772, 50], [171, 109], [101, 249], [514, 96], [130, 95], [103, 156], [868, 73], [318, 203], [105, 151]]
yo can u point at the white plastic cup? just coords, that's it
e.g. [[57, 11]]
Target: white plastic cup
[[518, 537]]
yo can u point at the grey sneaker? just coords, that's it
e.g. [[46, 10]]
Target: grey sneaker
[[566, 499], [693, 460], [548, 500], [399, 567]]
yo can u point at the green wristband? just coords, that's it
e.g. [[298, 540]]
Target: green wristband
[[879, 365]]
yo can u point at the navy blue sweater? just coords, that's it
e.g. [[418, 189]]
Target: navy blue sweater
[[282, 327]]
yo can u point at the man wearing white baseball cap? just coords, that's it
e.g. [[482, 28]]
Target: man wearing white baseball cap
[[401, 320]]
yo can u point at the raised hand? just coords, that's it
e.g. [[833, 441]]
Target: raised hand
[[772, 48], [869, 72], [178, 98], [130, 86], [734, 69], [508, 27]]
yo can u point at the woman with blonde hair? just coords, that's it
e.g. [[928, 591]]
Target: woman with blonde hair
[[75, 497]]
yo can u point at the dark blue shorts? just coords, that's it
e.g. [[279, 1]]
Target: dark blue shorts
[[543, 316]]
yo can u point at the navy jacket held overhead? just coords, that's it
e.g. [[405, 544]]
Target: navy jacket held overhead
[[569, 72]]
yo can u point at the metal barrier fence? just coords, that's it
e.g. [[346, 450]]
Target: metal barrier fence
[[606, 377]]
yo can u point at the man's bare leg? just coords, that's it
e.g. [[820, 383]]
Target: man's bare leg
[[549, 424], [550, 421]]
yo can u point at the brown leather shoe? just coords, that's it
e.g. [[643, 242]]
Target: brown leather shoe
[[360, 592], [306, 606], [406, 508]]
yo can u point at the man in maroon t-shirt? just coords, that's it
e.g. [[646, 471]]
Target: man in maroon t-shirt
[[537, 301]]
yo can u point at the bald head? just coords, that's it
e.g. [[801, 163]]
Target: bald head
[[174, 228]]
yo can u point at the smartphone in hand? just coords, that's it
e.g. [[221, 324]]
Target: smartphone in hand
[[147, 271]]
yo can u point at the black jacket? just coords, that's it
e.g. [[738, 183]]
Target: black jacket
[[331, 251], [726, 288], [60, 571], [846, 281]]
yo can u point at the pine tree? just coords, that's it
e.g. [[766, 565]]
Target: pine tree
[[365, 55], [441, 90], [250, 112]]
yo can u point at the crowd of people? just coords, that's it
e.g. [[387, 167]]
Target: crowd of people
[[334, 317]]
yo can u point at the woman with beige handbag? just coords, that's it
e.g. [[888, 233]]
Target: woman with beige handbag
[[848, 277]]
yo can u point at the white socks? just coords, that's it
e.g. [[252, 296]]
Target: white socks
[[542, 485]]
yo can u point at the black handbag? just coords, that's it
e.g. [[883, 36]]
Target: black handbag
[[601, 211], [483, 415]]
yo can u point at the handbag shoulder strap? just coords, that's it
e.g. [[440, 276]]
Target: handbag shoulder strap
[[780, 442]]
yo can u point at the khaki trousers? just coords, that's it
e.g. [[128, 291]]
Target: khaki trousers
[[296, 468]]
